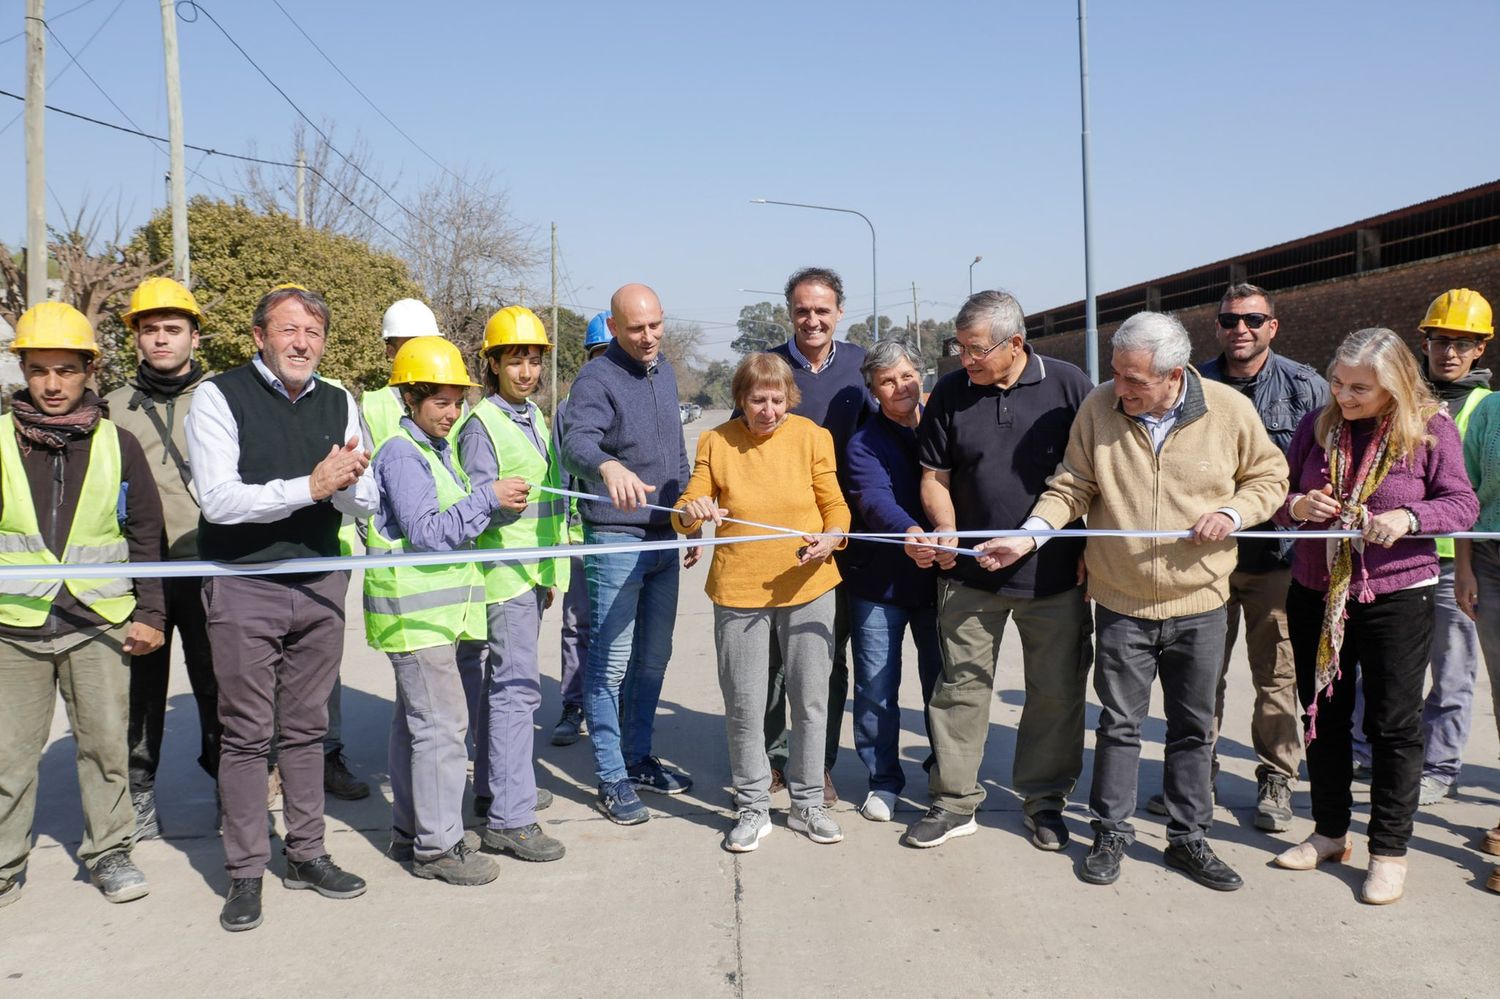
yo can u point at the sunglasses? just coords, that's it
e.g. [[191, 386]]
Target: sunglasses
[[1252, 320]]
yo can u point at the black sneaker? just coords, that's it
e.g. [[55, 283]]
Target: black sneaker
[[1102, 865], [1273, 804], [340, 782], [323, 876], [937, 827], [524, 843], [117, 877], [1048, 831], [462, 865], [241, 906], [569, 727], [147, 825], [1197, 860]]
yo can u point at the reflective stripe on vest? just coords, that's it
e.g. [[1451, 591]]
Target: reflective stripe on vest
[[94, 536], [421, 607], [542, 523]]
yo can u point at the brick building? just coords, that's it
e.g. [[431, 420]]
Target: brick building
[[1381, 271]]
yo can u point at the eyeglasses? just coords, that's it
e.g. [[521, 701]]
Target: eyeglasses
[[1459, 345], [977, 354], [1252, 320]]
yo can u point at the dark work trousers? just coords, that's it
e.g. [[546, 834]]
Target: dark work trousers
[[1390, 639], [277, 642], [149, 675], [838, 692]]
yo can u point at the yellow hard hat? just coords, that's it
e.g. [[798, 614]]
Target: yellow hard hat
[[515, 326], [289, 284], [1462, 311], [430, 359], [157, 294], [54, 326]]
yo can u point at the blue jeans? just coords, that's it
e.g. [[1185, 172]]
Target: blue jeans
[[876, 631], [632, 610]]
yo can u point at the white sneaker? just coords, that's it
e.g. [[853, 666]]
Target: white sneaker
[[879, 806]]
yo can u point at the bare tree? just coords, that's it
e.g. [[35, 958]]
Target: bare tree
[[682, 346], [343, 195], [466, 250]]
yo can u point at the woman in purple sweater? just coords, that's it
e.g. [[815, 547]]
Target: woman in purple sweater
[[1382, 459]]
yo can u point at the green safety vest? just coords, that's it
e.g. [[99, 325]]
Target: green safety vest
[[543, 522], [94, 535], [1471, 403], [382, 409], [423, 606]]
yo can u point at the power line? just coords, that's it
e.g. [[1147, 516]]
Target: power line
[[55, 17], [72, 59], [215, 152]]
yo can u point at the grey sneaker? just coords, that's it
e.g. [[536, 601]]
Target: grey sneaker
[[816, 823], [525, 843], [1434, 790], [937, 827], [1273, 804], [459, 866], [117, 877], [752, 827]]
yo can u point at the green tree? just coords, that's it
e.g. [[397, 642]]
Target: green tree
[[239, 254], [569, 348], [762, 326], [860, 332], [715, 388]]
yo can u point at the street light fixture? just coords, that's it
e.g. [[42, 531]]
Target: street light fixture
[[874, 301], [971, 275]]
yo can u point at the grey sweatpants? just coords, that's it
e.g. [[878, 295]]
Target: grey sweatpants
[[428, 758], [743, 637]]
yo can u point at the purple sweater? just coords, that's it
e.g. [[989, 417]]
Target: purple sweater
[[1435, 487]]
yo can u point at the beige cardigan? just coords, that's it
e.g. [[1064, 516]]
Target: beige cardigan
[[1217, 455]]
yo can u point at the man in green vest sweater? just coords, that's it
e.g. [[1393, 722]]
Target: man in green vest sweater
[[74, 488]]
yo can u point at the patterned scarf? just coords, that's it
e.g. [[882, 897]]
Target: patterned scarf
[[34, 427], [1352, 491]]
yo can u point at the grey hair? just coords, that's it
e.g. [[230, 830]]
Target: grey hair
[[311, 301], [996, 311], [887, 354], [1159, 335]]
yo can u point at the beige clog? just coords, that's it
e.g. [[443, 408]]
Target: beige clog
[[1385, 881], [1313, 851]]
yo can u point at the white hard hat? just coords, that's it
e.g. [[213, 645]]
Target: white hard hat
[[408, 318]]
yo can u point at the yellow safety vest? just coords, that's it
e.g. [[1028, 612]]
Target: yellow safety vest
[[94, 536]]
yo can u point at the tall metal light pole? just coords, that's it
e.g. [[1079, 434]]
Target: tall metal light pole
[[874, 299], [971, 275], [1090, 306]]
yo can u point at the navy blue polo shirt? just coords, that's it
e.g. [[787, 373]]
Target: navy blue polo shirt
[[999, 447]]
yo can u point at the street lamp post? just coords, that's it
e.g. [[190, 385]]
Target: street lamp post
[[971, 275], [874, 299]]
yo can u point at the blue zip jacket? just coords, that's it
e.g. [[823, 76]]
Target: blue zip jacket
[[884, 483]]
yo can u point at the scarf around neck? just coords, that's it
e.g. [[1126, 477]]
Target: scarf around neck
[[153, 382], [54, 432]]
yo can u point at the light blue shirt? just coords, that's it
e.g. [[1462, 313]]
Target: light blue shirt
[[800, 358]]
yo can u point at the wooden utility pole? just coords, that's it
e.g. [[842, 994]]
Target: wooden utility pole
[[556, 333], [301, 188], [36, 170], [180, 263]]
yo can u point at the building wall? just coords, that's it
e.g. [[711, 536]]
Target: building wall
[[1316, 317]]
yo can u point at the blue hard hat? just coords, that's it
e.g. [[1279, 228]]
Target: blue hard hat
[[598, 333]]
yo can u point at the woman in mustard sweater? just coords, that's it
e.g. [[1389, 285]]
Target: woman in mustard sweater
[[775, 468]]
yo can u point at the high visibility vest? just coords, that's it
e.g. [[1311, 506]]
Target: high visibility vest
[[423, 606], [1471, 403], [94, 535], [542, 523], [382, 409]]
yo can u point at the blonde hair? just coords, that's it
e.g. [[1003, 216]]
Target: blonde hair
[[1412, 402], [766, 369]]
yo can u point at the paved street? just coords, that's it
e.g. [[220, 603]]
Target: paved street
[[660, 909]]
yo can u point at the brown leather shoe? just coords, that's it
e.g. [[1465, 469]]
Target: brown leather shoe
[[1491, 842], [1493, 884], [830, 794]]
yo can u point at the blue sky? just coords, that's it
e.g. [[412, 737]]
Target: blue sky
[[644, 130]]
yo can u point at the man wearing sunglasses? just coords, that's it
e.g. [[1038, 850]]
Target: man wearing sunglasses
[[1283, 391]]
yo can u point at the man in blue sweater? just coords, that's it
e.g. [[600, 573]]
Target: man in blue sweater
[[827, 373], [624, 439]]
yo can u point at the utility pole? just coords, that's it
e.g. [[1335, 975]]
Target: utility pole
[[1090, 304], [301, 187], [916, 320], [556, 333], [180, 264], [36, 173]]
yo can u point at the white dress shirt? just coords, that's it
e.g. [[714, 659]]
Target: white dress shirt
[[213, 440]]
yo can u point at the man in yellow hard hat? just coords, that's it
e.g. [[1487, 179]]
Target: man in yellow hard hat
[[164, 321], [74, 488], [382, 408]]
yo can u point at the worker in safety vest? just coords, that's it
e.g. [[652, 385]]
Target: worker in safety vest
[[574, 649], [417, 614], [506, 438], [382, 409], [164, 320], [74, 488]]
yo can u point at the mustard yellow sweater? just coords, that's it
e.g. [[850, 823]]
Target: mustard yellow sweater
[[787, 479]]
